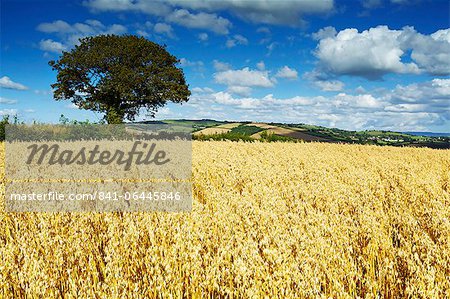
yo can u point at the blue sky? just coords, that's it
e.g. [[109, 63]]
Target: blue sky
[[376, 64]]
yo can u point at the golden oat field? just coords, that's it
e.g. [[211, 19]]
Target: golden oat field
[[269, 220]]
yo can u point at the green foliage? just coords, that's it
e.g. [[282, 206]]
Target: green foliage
[[246, 130], [224, 136], [233, 136], [371, 136], [66, 132], [270, 137], [3, 123], [118, 76], [63, 120], [6, 121]]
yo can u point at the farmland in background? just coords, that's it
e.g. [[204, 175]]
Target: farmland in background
[[207, 129], [220, 130]]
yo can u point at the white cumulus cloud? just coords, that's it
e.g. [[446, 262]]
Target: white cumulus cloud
[[262, 11], [414, 107], [287, 73], [325, 33], [69, 34], [56, 26], [241, 81], [50, 45], [240, 90], [430, 52], [265, 11], [237, 39], [163, 28], [378, 51], [323, 81], [221, 66], [7, 101], [371, 53], [157, 8], [187, 63], [201, 20], [6, 82], [330, 85], [203, 36], [261, 66]]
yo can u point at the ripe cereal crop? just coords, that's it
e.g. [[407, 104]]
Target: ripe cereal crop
[[269, 220]]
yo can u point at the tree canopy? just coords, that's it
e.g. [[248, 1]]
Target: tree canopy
[[118, 76]]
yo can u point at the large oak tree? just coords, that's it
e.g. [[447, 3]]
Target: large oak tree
[[118, 76]]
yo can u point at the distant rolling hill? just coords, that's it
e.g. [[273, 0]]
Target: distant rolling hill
[[429, 134], [208, 129]]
